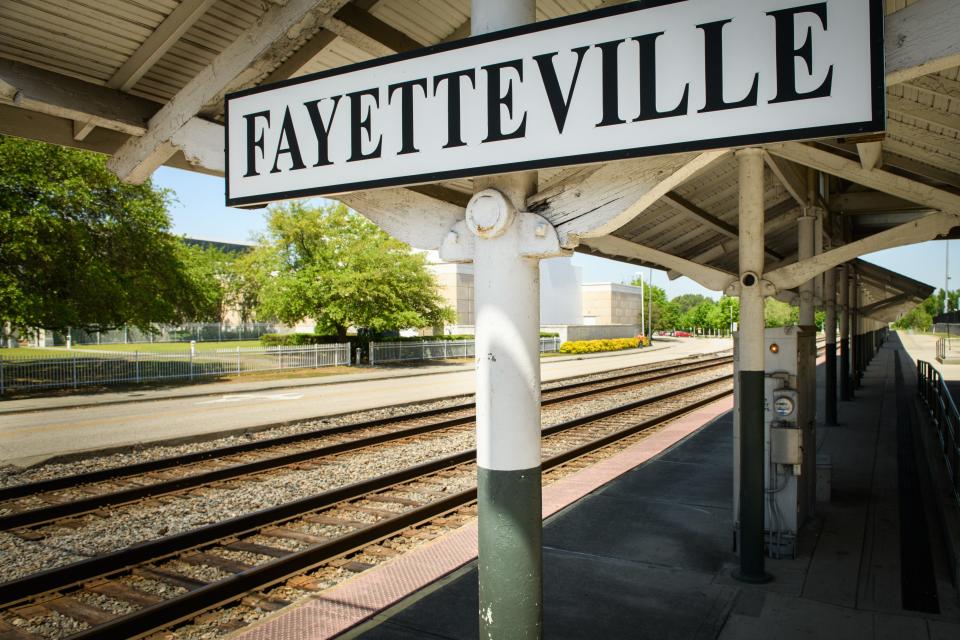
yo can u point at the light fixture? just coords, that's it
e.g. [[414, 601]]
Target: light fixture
[[774, 347]]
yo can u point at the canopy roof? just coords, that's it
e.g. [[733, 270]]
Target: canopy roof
[[144, 82]]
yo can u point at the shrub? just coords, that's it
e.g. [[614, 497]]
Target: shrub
[[597, 346]]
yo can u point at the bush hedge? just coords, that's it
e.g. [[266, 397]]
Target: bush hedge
[[597, 346]]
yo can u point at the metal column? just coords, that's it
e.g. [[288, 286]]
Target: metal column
[[854, 331], [846, 392], [830, 329], [507, 302], [751, 345]]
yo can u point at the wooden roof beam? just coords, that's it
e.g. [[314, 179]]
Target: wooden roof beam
[[65, 97], [871, 154], [602, 198], [877, 179], [139, 157], [152, 49], [793, 179], [921, 39]]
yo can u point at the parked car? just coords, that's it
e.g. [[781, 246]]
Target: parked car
[[681, 334]]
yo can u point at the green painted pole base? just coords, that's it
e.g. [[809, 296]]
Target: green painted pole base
[[751, 479], [846, 393], [510, 554]]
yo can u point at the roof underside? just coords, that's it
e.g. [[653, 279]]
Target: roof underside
[[149, 52]]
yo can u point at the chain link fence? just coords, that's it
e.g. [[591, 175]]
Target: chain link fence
[[71, 369], [436, 350], [194, 331]]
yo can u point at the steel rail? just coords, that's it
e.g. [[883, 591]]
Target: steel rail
[[51, 513], [115, 473], [192, 603], [60, 577]]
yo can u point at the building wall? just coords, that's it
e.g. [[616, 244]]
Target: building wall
[[607, 303]]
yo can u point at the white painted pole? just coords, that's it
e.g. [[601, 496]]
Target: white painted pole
[[830, 329], [806, 224], [642, 316], [844, 287], [507, 303], [751, 367]]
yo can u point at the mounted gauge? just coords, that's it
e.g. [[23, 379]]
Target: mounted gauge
[[783, 406]]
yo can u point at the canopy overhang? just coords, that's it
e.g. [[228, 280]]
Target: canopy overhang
[[145, 86]]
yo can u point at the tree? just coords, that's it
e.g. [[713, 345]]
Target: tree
[[212, 272], [79, 248], [918, 319], [659, 298], [332, 265], [688, 301], [778, 314]]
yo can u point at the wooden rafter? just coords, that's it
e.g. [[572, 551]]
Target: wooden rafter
[[140, 156]]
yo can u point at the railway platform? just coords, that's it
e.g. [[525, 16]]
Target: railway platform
[[647, 553]]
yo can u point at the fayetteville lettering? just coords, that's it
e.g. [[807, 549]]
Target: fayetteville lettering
[[506, 119]]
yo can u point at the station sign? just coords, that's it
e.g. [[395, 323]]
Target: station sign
[[645, 78]]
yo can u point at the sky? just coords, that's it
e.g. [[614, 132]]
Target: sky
[[198, 212]]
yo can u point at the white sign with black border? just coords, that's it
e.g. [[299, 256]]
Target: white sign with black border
[[634, 80]]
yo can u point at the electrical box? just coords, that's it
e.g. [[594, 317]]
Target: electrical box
[[790, 470]]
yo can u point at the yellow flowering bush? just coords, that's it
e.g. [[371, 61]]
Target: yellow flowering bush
[[597, 346]]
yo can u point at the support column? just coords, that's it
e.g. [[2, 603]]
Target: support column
[[846, 392], [830, 329], [751, 345], [854, 331], [806, 224], [507, 303]]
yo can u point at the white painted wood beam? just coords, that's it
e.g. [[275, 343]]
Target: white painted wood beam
[[927, 228], [777, 218], [152, 49], [139, 157], [937, 85], [393, 210], [353, 18], [921, 39], [158, 43], [936, 160], [789, 175], [709, 277], [855, 203], [601, 199], [871, 154], [938, 141], [900, 105], [875, 179], [57, 95]]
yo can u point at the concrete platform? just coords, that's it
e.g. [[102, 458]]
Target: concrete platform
[[648, 554], [35, 430]]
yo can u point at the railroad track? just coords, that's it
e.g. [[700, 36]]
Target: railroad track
[[60, 499], [153, 585]]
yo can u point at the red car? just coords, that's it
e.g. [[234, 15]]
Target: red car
[[681, 334]]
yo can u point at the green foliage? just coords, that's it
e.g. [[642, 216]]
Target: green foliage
[[332, 265], [212, 272], [920, 318], [597, 346], [779, 314], [79, 248]]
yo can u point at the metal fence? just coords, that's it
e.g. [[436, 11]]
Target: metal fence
[[935, 394], [80, 368], [198, 331], [436, 350]]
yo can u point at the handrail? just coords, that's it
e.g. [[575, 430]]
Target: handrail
[[943, 411]]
